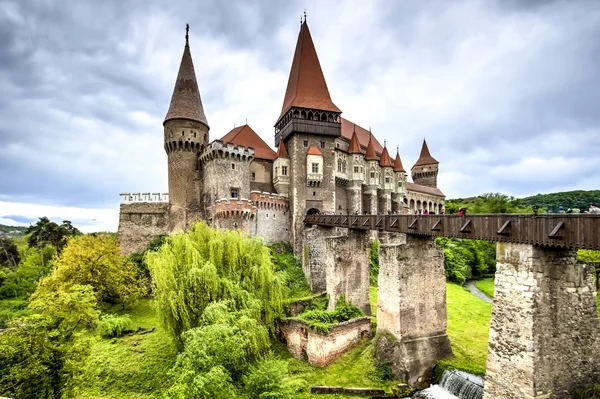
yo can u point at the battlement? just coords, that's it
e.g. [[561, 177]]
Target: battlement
[[264, 200], [129, 198], [218, 149], [234, 207]]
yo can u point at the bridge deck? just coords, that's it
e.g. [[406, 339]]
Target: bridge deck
[[563, 230]]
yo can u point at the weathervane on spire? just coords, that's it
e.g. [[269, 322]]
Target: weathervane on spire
[[384, 143], [187, 33], [305, 15]]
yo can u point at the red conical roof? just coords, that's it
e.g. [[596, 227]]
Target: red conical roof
[[425, 158], [398, 163], [354, 147], [371, 155], [385, 159], [245, 136], [185, 101], [281, 151], [306, 85]]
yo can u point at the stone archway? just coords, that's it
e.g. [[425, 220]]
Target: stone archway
[[313, 211]]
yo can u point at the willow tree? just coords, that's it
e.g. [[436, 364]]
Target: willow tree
[[205, 265]]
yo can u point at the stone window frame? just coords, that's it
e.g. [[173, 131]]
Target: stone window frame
[[283, 170], [356, 169], [305, 143], [235, 192], [315, 167]]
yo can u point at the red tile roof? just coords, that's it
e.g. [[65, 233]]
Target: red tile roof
[[245, 136], [425, 158], [398, 163], [314, 151], [306, 85], [281, 151], [385, 159], [185, 101], [370, 154], [354, 147], [424, 189], [363, 135]]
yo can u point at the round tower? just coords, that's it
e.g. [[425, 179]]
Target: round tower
[[185, 135]]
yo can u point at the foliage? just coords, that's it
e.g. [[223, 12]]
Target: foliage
[[486, 286], [465, 259], [40, 354], [114, 326], [591, 391], [288, 266], [588, 255], [12, 230], [383, 372], [489, 203], [11, 309], [46, 232], [580, 199], [265, 380], [21, 282], [9, 253], [138, 257], [205, 265], [374, 262], [95, 260], [321, 320]]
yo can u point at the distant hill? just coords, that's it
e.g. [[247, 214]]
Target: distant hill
[[12, 230], [567, 199]]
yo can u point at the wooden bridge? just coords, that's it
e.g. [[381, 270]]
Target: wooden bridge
[[561, 231]]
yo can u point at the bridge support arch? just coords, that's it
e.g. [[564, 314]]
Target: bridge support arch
[[411, 308], [544, 335]]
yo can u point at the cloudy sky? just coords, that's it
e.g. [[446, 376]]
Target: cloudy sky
[[507, 93]]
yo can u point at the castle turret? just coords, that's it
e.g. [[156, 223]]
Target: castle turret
[[399, 192], [185, 135], [356, 173], [281, 167], [372, 177], [387, 180], [425, 170]]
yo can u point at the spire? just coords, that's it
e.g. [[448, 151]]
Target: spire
[[354, 147], [385, 159], [185, 101], [281, 151], [306, 85], [425, 158], [371, 155], [398, 162]]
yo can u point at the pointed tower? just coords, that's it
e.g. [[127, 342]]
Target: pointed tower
[[387, 180], [399, 192], [356, 174], [185, 135], [281, 168], [372, 174], [425, 170], [308, 120]]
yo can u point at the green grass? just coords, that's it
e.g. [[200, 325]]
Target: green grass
[[131, 366], [486, 286]]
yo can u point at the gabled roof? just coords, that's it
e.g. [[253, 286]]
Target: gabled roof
[[348, 128], [281, 151], [314, 151], [306, 85], [425, 158], [385, 159], [398, 163], [245, 136], [370, 155], [354, 147], [424, 189], [185, 101]]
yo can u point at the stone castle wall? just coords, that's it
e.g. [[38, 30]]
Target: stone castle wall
[[139, 223], [272, 217], [321, 349]]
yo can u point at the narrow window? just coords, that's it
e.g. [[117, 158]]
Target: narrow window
[[253, 176], [315, 168], [356, 169], [322, 144], [387, 180], [235, 192], [276, 170], [284, 170], [305, 143], [233, 166]]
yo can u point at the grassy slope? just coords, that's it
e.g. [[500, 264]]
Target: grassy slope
[[131, 366], [486, 286]]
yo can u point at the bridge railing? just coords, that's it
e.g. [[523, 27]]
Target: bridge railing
[[562, 230]]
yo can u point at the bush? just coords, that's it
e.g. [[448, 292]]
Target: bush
[[111, 326], [320, 319], [374, 262], [265, 380], [383, 372]]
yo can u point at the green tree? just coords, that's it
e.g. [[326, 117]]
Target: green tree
[[95, 260], [47, 232], [205, 265], [9, 253]]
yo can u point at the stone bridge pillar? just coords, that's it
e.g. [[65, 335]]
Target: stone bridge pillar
[[354, 195], [411, 308], [348, 265], [544, 335], [313, 256]]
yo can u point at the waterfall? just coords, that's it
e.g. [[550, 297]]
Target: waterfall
[[454, 384]]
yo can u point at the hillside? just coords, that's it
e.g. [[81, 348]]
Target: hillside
[[567, 199], [12, 230]]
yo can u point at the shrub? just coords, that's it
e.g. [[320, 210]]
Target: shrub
[[114, 326], [266, 380], [374, 262]]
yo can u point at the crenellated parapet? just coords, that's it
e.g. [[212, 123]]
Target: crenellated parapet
[[218, 149], [130, 198], [233, 207], [269, 201]]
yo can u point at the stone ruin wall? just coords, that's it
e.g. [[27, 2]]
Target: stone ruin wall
[[322, 349], [139, 223]]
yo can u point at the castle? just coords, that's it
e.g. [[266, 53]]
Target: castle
[[323, 164]]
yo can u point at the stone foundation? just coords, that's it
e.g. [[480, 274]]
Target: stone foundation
[[313, 256], [411, 309], [544, 334], [321, 349]]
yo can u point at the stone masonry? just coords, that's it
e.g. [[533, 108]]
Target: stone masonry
[[411, 308], [139, 223], [313, 257], [544, 333]]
